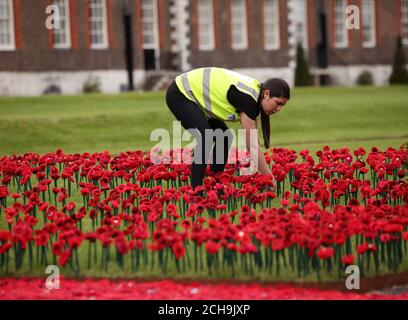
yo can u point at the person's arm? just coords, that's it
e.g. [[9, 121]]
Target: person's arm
[[253, 144]]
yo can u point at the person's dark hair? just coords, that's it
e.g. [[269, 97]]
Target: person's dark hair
[[277, 88]]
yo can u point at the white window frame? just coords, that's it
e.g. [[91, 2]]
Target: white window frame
[[271, 25], [340, 26], [12, 45], [155, 31], [301, 22], [67, 25], [368, 19], [404, 22], [242, 14], [105, 38], [206, 9]]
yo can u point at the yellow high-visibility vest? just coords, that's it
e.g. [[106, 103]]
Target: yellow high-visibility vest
[[208, 88]]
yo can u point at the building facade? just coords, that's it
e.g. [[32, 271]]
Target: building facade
[[69, 45]]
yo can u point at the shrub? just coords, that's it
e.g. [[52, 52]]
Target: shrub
[[52, 89], [302, 73], [365, 78], [92, 84], [399, 72]]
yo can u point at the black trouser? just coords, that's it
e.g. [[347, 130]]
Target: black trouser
[[193, 118]]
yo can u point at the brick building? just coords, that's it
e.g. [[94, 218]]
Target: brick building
[[140, 44]]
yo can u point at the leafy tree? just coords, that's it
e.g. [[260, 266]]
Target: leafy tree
[[399, 72]]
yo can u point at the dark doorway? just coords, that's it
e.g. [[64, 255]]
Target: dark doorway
[[128, 24], [149, 59], [322, 48], [325, 80]]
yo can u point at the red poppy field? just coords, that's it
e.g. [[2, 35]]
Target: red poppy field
[[103, 215]]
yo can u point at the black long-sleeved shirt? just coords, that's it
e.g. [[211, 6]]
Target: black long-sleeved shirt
[[243, 102]]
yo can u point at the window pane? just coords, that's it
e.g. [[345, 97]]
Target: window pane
[[62, 35], [404, 21], [4, 11], [98, 23], [341, 35], [271, 24], [149, 23], [6, 25], [238, 24], [300, 16], [368, 21]]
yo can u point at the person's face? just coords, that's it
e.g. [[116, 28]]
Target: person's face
[[272, 105]]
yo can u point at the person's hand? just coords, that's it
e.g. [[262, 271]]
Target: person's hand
[[274, 183]]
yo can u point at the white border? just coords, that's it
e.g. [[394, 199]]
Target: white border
[[180, 29], [70, 82]]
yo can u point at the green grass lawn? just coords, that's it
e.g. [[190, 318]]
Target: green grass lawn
[[314, 117]]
